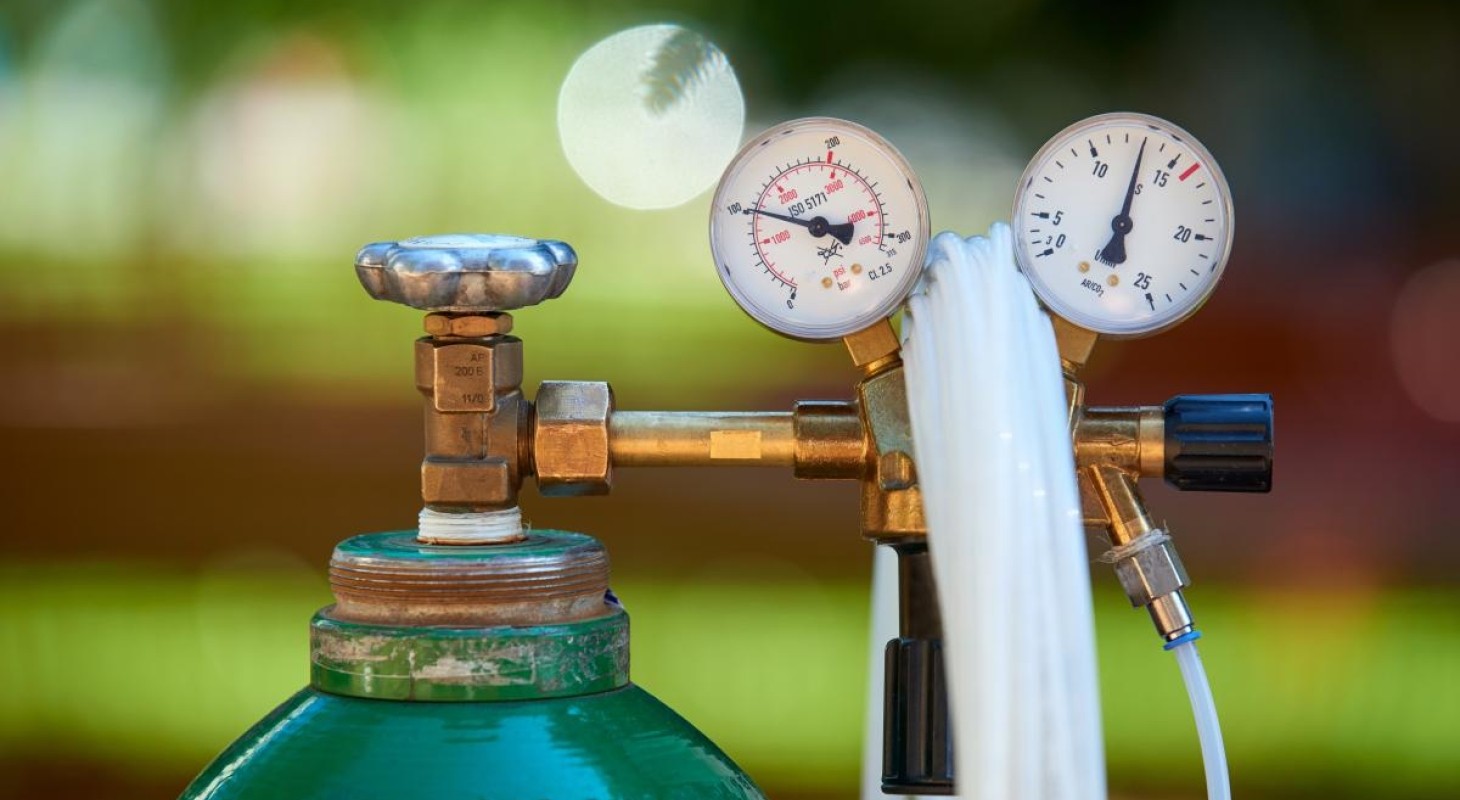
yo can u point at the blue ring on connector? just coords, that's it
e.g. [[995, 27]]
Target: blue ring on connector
[[1190, 636]]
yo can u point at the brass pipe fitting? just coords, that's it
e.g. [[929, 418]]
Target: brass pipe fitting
[[578, 438], [1144, 558], [831, 442], [892, 501], [570, 439], [818, 440], [1121, 503], [702, 438], [874, 348], [1132, 439]]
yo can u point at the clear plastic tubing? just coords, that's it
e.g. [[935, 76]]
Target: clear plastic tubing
[[1208, 729]]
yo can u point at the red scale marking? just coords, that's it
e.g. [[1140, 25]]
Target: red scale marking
[[771, 265], [828, 156], [1187, 174]]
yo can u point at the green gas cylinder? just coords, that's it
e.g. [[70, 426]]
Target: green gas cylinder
[[495, 671]]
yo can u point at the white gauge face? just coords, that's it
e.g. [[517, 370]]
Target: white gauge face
[[819, 228], [1123, 223]]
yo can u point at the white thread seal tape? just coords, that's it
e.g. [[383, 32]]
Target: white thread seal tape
[[1145, 541], [471, 527]]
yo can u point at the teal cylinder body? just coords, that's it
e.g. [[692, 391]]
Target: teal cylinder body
[[541, 710], [622, 743]]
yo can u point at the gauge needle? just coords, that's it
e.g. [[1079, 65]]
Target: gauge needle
[[1113, 253], [818, 226]]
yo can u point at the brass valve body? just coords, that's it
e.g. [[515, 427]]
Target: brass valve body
[[475, 413]]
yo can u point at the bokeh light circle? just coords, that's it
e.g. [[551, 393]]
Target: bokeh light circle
[[650, 116], [1424, 334]]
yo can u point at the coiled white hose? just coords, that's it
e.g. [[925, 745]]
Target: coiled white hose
[[1208, 729], [998, 479], [997, 473]]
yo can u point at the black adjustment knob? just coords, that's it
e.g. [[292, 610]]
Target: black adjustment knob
[[1219, 442], [917, 748]]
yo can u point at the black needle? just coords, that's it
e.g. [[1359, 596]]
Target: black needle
[[1113, 253], [818, 226]]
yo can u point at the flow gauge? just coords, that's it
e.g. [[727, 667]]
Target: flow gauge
[[819, 228], [1123, 223]]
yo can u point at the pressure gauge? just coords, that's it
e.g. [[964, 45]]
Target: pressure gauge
[[819, 228], [1123, 223]]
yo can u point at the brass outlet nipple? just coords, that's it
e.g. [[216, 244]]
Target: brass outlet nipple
[[1143, 555]]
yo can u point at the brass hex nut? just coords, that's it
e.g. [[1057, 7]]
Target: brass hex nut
[[1151, 572], [467, 484], [468, 325], [570, 438]]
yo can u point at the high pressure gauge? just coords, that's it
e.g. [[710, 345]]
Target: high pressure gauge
[[1123, 223], [819, 228]]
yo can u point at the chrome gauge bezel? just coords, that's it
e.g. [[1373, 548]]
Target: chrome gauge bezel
[[1023, 246], [917, 248]]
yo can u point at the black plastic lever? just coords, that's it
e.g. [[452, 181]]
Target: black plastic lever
[[917, 743]]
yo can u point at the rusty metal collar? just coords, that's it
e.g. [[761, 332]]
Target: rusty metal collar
[[514, 621], [393, 579]]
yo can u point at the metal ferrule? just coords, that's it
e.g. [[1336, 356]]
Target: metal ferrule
[[1171, 615]]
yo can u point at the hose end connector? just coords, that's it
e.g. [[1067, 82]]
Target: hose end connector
[[1153, 576]]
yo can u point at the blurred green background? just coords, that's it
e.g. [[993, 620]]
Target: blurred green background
[[198, 400]]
